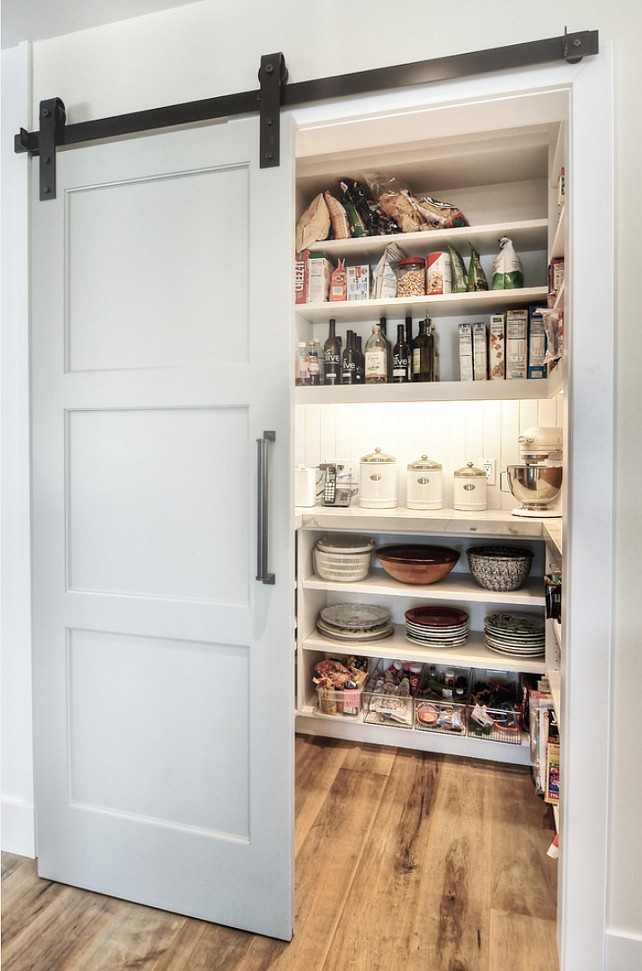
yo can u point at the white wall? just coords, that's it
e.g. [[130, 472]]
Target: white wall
[[17, 780], [210, 48]]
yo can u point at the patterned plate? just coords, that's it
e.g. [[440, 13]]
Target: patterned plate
[[355, 616]]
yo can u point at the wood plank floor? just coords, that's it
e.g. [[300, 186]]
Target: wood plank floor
[[403, 861]]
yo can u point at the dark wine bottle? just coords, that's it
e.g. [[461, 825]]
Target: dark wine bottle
[[332, 356], [383, 329], [349, 361], [360, 361], [422, 356], [409, 333], [401, 359]]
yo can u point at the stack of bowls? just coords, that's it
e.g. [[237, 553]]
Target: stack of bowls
[[500, 568], [344, 558]]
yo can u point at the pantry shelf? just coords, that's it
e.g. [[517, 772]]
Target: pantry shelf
[[454, 587], [518, 390], [473, 654], [442, 305], [526, 234]]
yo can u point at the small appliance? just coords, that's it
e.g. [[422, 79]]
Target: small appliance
[[537, 483]]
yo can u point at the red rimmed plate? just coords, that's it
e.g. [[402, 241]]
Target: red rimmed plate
[[436, 616]]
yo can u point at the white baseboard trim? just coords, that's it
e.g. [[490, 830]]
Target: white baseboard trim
[[623, 952], [18, 828]]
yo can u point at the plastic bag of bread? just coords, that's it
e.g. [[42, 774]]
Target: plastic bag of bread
[[507, 268], [314, 224], [440, 215]]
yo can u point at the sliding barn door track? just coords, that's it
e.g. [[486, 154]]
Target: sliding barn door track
[[274, 93]]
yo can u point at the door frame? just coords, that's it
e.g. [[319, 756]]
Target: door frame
[[587, 531]]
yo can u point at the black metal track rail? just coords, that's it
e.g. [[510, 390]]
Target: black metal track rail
[[275, 93]]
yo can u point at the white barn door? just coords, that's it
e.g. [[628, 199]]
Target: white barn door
[[163, 669]]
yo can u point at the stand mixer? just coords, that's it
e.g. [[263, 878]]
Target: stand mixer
[[537, 483]]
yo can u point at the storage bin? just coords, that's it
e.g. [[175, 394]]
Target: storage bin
[[383, 704], [495, 711], [441, 699], [346, 704]]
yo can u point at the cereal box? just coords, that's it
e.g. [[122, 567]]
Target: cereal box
[[480, 351], [319, 275], [536, 344], [516, 344], [358, 282], [497, 348], [466, 352]]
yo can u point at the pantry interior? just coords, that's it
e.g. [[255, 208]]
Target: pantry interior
[[498, 160]]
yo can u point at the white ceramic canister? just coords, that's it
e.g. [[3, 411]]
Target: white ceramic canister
[[469, 488], [378, 481], [424, 485]]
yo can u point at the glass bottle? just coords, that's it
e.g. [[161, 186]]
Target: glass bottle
[[435, 353], [301, 366], [409, 334], [349, 361], [360, 361], [332, 356], [383, 326], [401, 359], [422, 353], [376, 358], [314, 365]]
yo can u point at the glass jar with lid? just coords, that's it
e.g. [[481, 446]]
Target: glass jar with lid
[[411, 277], [424, 484]]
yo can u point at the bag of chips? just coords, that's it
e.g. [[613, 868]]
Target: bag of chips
[[458, 271], [476, 276]]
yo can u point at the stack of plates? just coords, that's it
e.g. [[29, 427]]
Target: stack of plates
[[521, 635], [355, 622], [437, 626]]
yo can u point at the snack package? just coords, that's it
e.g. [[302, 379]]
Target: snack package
[[507, 268], [338, 217], [338, 282], [385, 274], [355, 201], [459, 276], [440, 215], [314, 224], [476, 276], [554, 329]]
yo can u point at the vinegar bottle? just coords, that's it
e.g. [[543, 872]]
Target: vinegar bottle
[[349, 361], [332, 356], [376, 358], [401, 358], [422, 361]]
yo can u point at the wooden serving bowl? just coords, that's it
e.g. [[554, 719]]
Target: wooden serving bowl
[[417, 564]]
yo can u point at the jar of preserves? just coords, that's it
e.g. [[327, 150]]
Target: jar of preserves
[[411, 277]]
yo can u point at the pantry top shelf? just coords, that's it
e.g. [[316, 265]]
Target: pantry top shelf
[[526, 234]]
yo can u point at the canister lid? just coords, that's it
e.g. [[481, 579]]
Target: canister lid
[[345, 543], [468, 470], [423, 463], [378, 456], [409, 261]]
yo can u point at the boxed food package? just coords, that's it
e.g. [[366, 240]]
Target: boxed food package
[[552, 792], [465, 352], [536, 344], [301, 276], [516, 344], [338, 283], [480, 351], [438, 273], [319, 275], [555, 275], [358, 282], [497, 348]]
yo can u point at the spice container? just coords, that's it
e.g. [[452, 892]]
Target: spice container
[[424, 485], [411, 277], [469, 488], [378, 481]]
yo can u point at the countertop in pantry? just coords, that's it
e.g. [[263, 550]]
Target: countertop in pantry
[[490, 522]]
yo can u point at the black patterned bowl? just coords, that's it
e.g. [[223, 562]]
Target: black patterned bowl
[[499, 568]]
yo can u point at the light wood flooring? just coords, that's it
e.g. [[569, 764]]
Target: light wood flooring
[[403, 861]]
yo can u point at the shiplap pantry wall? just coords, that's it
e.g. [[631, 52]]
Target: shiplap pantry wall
[[450, 432]]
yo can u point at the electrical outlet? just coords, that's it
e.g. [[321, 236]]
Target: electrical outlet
[[489, 467]]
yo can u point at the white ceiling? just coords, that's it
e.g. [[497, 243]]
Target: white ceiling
[[39, 19]]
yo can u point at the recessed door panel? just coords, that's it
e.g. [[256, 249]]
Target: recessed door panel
[[151, 280], [172, 699], [154, 505]]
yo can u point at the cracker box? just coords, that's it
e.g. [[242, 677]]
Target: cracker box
[[466, 352], [358, 282], [480, 351], [497, 347], [301, 271], [319, 275], [536, 344], [516, 344]]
